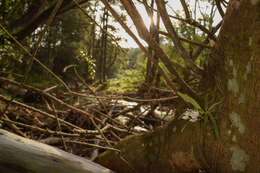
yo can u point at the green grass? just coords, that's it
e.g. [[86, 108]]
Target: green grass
[[127, 80]]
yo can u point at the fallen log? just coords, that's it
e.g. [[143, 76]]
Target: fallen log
[[21, 155]]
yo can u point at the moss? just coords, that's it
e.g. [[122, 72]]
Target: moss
[[236, 121], [159, 141], [239, 159], [250, 41], [248, 68], [231, 63], [241, 98], [234, 139], [229, 132], [233, 86]]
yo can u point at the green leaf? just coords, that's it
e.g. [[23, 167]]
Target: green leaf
[[214, 123], [185, 125], [206, 120], [190, 100], [213, 106], [206, 101]]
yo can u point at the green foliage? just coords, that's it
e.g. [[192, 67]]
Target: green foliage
[[132, 57], [10, 57], [131, 74], [190, 100], [133, 60], [87, 64], [126, 80], [205, 18], [7, 7], [206, 113], [70, 39], [63, 45]]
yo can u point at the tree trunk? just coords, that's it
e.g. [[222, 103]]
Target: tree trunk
[[233, 75], [21, 155], [104, 49]]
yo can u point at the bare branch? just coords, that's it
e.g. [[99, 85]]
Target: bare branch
[[173, 35], [188, 41], [220, 10], [185, 8], [191, 22], [35, 59], [96, 23], [48, 22], [146, 36], [206, 41]]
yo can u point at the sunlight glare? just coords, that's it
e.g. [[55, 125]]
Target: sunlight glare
[[130, 43]]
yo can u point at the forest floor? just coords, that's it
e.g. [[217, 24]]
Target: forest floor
[[86, 121]]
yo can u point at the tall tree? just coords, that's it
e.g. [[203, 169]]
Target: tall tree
[[101, 63]]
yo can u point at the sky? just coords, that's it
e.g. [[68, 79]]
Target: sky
[[174, 4]]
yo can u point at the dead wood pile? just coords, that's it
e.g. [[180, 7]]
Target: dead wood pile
[[84, 123]]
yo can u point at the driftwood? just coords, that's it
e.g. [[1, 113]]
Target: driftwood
[[21, 155]]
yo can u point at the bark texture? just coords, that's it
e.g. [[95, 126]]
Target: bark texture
[[169, 149], [233, 75], [236, 68]]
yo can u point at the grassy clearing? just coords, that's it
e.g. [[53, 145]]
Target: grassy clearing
[[126, 80]]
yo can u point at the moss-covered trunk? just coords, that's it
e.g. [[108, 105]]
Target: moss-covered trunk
[[236, 67], [233, 74]]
